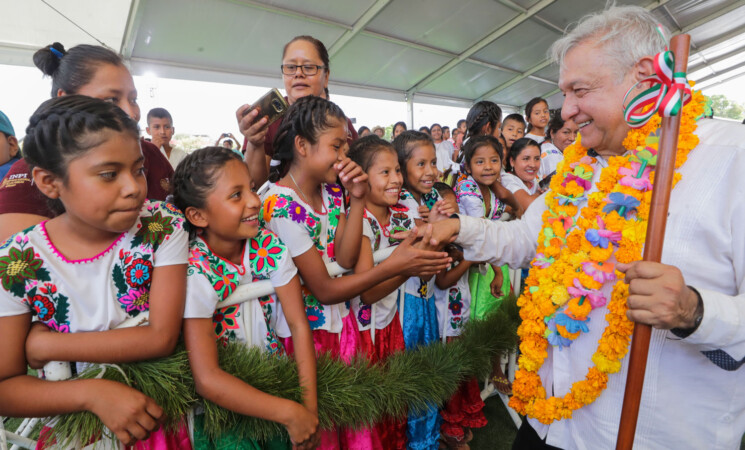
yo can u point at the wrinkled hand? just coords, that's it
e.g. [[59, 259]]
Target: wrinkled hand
[[658, 295], [303, 428], [36, 342], [352, 177], [128, 413], [252, 127], [418, 259]]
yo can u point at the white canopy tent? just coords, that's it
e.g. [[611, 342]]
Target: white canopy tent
[[434, 51]]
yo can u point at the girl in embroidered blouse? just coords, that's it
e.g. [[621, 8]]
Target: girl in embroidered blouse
[[229, 249], [108, 257], [537, 117], [305, 207]]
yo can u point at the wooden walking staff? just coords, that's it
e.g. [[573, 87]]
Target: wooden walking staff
[[663, 180]]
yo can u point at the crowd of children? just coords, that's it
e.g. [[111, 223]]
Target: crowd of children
[[95, 242]]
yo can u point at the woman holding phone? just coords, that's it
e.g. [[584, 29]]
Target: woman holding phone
[[305, 71]]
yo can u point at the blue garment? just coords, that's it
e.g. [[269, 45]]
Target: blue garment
[[420, 328], [6, 167]]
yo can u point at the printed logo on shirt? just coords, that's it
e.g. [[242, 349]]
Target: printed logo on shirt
[[16, 180]]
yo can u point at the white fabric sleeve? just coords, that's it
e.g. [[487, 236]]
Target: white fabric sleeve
[[175, 249], [413, 207], [513, 183], [499, 243], [285, 271], [470, 205], [294, 235], [11, 305], [201, 298]]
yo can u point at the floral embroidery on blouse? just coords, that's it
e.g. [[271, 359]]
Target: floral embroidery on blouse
[[159, 226], [468, 188], [455, 306], [224, 321], [284, 206], [132, 275]]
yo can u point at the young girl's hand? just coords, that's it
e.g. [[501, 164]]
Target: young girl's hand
[[252, 128], [419, 260], [302, 428], [424, 213], [352, 177], [442, 210], [130, 414], [496, 284]]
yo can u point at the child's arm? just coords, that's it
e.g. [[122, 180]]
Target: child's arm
[[349, 231], [496, 283], [218, 386], [406, 260], [508, 197], [524, 200], [127, 412], [154, 340], [305, 357], [448, 278], [365, 263]]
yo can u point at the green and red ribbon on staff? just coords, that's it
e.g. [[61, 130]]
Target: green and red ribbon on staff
[[669, 92]]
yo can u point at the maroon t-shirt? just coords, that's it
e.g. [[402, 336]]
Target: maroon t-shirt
[[19, 194]]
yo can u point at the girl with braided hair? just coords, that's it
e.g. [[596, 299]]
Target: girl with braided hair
[[229, 249], [109, 255], [305, 207]]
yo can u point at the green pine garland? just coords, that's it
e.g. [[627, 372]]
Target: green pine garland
[[354, 395]]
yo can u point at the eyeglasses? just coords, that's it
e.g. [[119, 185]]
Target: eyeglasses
[[308, 69]]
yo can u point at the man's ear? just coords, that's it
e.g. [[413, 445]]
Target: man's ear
[[196, 217], [13, 146], [301, 145], [643, 68], [48, 183]]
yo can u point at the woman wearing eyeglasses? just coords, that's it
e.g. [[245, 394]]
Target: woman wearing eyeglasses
[[305, 71]]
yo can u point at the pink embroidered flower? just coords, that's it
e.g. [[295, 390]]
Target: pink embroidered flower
[[60, 328], [596, 298], [137, 299], [199, 258]]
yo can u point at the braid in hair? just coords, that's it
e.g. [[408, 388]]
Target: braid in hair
[[66, 127], [307, 118], [480, 114]]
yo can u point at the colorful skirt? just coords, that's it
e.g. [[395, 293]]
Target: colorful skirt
[[482, 302], [230, 441], [420, 328]]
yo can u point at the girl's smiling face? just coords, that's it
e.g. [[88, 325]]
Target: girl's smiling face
[[421, 169], [539, 116], [485, 165], [385, 179], [527, 163], [330, 148]]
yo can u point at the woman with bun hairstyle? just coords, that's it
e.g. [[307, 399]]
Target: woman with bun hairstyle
[[305, 71], [93, 71]]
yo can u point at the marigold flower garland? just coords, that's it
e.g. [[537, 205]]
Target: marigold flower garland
[[572, 263]]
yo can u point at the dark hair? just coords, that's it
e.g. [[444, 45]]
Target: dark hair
[[403, 124], [435, 125], [445, 128], [406, 142], [364, 149], [517, 147], [423, 129], [443, 189], [475, 142], [72, 69], [63, 128], [516, 117], [529, 109], [481, 114], [361, 129], [555, 124], [159, 113], [307, 118], [196, 175], [460, 122], [320, 49]]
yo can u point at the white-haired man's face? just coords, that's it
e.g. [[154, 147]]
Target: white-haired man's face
[[594, 97]]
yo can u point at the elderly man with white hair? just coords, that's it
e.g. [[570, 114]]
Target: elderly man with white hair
[[694, 388]]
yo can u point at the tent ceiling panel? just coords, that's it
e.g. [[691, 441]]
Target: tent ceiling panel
[[33, 24], [728, 22], [549, 73], [565, 12], [521, 48], [371, 61], [344, 11], [446, 24], [687, 12], [521, 92], [236, 37], [473, 80]]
